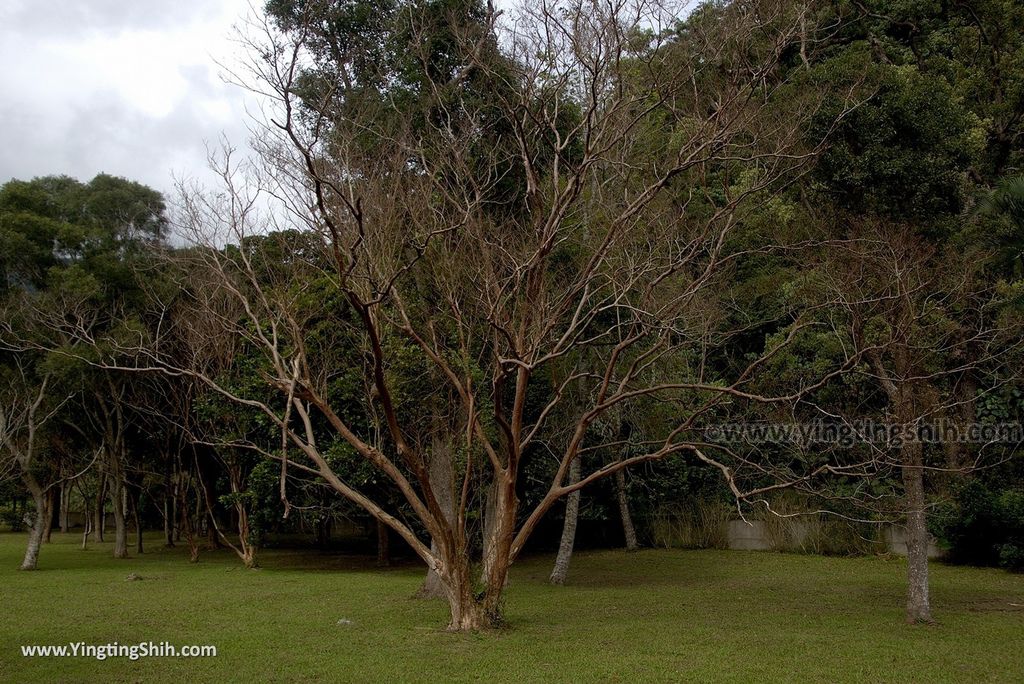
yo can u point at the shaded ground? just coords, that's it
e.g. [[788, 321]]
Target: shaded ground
[[650, 616]]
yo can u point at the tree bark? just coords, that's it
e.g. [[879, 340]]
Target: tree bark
[[117, 496], [168, 513], [65, 506], [383, 549], [136, 499], [918, 602], [35, 533], [442, 481], [51, 503], [572, 509], [905, 397], [627, 519], [468, 613], [99, 514]]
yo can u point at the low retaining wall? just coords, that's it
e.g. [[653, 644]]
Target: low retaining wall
[[755, 535]]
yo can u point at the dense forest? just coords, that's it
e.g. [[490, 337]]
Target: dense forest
[[492, 281]]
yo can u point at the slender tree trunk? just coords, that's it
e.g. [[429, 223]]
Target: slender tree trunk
[[117, 496], [136, 500], [168, 512], [918, 602], [383, 549], [65, 506], [36, 532], [86, 519], [100, 516], [51, 503], [627, 519], [86, 530], [572, 509], [186, 525]]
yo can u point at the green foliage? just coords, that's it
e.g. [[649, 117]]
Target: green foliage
[[982, 525], [904, 153], [12, 519]]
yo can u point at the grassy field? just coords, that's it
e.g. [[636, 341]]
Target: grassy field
[[723, 616]]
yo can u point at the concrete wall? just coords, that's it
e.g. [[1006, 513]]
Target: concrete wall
[[753, 536]]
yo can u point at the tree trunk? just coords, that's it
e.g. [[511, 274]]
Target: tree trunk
[[100, 516], [35, 533], [245, 538], [383, 549], [627, 519], [117, 496], [469, 611], [442, 481], [51, 504], [168, 512], [136, 499], [918, 603], [65, 506], [572, 509], [86, 521]]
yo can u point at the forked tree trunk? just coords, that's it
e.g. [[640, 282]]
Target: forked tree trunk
[[572, 508], [918, 602], [627, 519], [473, 610], [249, 550], [468, 613]]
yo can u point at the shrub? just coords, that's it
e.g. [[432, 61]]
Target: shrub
[[982, 526], [12, 519]]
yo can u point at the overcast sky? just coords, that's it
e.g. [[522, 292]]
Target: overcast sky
[[130, 88]]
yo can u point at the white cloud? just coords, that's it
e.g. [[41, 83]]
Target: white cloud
[[131, 89]]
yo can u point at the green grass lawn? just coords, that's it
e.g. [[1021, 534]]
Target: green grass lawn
[[650, 616]]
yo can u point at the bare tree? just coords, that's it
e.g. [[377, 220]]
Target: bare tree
[[634, 152], [24, 411], [926, 318]]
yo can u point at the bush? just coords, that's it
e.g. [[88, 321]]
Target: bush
[[1011, 518], [982, 526], [12, 519], [702, 524]]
